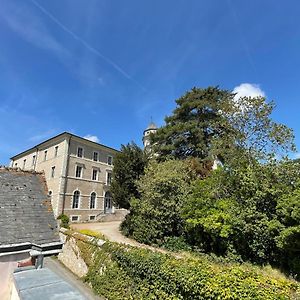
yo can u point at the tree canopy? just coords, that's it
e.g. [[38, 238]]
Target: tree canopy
[[129, 165], [212, 123]]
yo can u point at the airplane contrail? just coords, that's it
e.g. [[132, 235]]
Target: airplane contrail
[[85, 43]]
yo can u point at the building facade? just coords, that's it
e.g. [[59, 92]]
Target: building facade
[[78, 174], [151, 129]]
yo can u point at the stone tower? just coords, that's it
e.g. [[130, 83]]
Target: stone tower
[[152, 128]]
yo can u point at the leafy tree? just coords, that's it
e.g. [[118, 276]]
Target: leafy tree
[[195, 122], [156, 214], [211, 123], [251, 213], [129, 165]]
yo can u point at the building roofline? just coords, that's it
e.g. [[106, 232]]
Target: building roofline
[[57, 136]]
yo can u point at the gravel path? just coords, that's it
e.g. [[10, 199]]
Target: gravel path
[[111, 231]]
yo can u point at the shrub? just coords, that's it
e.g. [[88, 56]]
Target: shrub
[[124, 272], [156, 214], [64, 220]]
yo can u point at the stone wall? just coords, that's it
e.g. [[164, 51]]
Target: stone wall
[[70, 255]]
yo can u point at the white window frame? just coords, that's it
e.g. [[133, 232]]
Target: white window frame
[[94, 216], [109, 157], [82, 152], [95, 152], [81, 173], [95, 206], [79, 199], [78, 218], [108, 183], [97, 174]]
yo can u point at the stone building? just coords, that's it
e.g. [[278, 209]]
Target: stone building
[[78, 174], [151, 129]]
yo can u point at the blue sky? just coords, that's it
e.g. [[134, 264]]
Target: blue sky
[[103, 67]]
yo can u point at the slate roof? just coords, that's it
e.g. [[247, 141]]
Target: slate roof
[[26, 214]]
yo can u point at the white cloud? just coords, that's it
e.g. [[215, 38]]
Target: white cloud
[[92, 138], [248, 90]]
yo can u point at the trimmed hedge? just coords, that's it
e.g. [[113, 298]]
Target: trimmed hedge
[[123, 272]]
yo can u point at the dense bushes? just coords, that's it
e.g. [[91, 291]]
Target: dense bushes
[[156, 215], [249, 214], [246, 213], [64, 220], [123, 272]]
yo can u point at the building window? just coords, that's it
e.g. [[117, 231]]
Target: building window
[[55, 151], [33, 160], [75, 202], [50, 195], [107, 202], [95, 156], [16, 164], [45, 155], [52, 172], [109, 160], [74, 218], [78, 172], [92, 218], [95, 174], [24, 163], [80, 152], [93, 200], [108, 178]]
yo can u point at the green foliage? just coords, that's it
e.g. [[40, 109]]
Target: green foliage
[[194, 124], [124, 272], [247, 213], [209, 123], [92, 233], [129, 165], [156, 214], [64, 220]]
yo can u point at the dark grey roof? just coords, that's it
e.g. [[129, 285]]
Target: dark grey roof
[[151, 126], [26, 214]]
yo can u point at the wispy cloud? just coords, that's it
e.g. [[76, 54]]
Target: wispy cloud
[[30, 28], [87, 45], [241, 35], [92, 138]]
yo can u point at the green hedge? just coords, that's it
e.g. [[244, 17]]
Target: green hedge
[[122, 272]]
